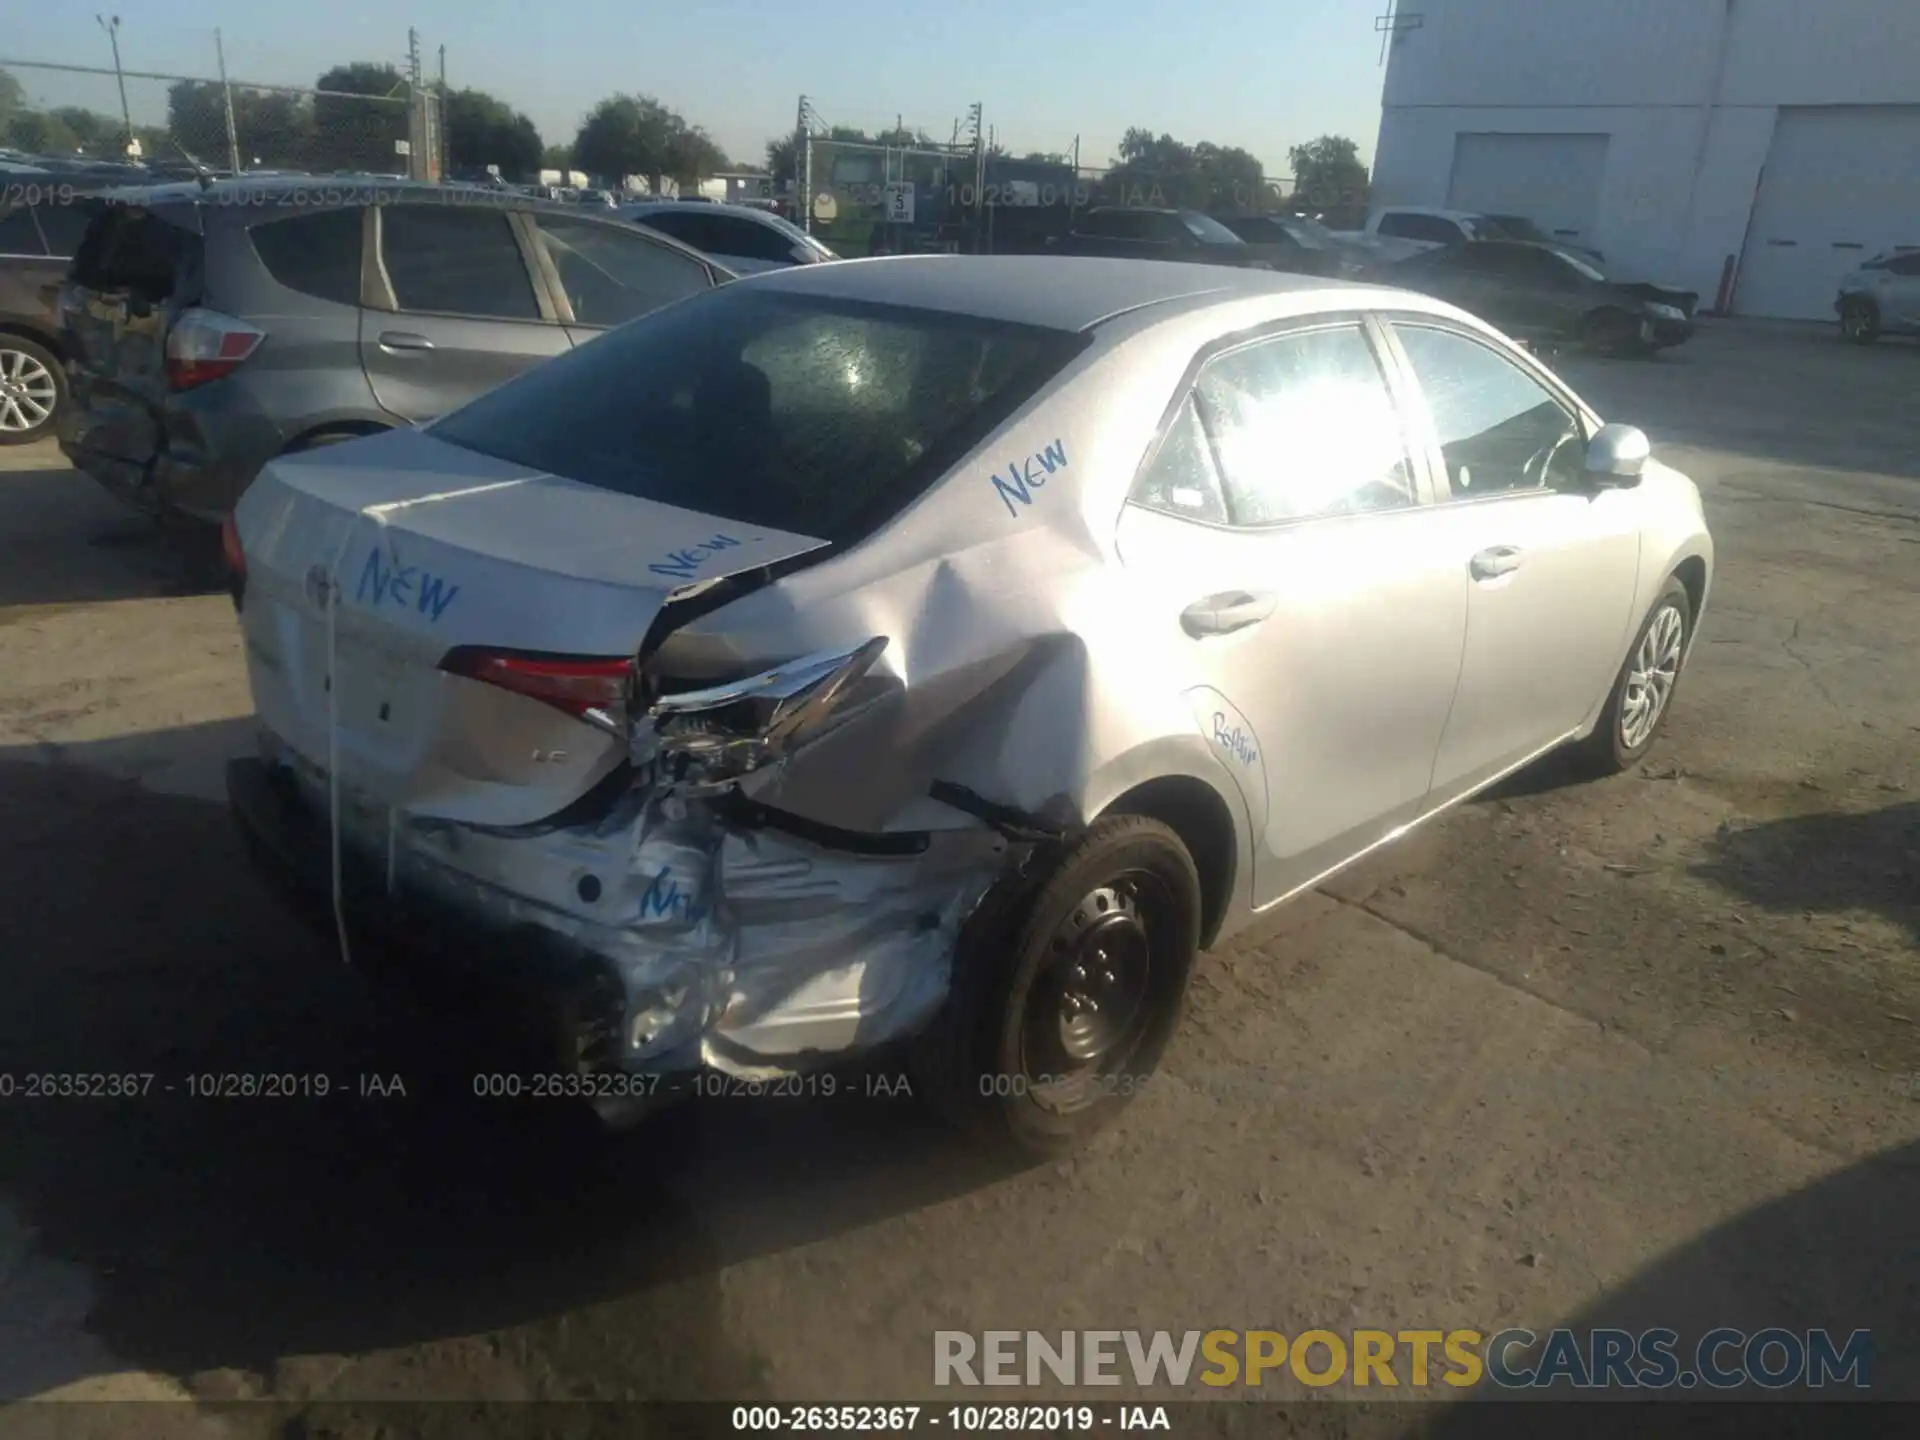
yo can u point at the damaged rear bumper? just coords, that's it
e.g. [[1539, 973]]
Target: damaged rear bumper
[[673, 934]]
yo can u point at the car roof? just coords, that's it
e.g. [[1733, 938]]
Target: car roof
[[1059, 292], [1443, 213], [240, 191]]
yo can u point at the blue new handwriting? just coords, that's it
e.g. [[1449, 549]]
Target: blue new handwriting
[[665, 899], [685, 564], [1026, 476], [385, 582]]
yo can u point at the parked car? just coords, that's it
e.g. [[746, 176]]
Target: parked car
[[41, 222], [1126, 232], [1882, 297], [208, 336], [1519, 227], [1546, 293], [742, 238], [1299, 245], [937, 651]]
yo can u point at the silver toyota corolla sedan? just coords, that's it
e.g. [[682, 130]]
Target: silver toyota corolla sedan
[[937, 650]]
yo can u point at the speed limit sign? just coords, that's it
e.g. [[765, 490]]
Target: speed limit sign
[[900, 203]]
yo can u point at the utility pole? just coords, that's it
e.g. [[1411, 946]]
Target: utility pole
[[226, 102], [803, 164], [416, 109], [126, 115], [440, 121]]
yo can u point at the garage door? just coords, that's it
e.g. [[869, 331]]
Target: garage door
[[1840, 186], [1553, 180]]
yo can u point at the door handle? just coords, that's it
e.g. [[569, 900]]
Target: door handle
[[1492, 563], [403, 340], [1224, 613]]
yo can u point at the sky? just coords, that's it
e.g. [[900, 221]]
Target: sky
[[1263, 77]]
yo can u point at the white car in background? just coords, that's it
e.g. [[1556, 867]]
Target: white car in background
[[744, 239], [1882, 297]]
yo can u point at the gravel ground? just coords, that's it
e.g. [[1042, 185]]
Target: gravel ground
[[1643, 1052]]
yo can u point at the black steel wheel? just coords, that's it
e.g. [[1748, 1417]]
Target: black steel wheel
[[1066, 989]]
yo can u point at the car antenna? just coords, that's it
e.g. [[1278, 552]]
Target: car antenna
[[200, 172]]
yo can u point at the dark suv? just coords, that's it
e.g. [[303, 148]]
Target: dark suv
[[41, 222], [211, 328]]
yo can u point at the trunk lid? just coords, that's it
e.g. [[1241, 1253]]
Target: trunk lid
[[137, 267], [415, 547]]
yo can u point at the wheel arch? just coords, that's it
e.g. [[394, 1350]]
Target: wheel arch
[[1203, 819], [23, 330], [330, 430]]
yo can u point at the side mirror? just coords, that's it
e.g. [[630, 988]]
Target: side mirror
[[1617, 456]]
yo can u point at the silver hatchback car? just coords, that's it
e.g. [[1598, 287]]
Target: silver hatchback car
[[939, 650]]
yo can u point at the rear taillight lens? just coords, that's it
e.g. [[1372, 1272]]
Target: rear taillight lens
[[205, 345], [578, 684], [235, 560]]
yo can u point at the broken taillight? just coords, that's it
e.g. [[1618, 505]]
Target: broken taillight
[[205, 345], [587, 687]]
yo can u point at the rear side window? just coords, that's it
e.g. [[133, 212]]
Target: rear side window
[[735, 236], [131, 249], [1181, 479], [18, 234], [1908, 264], [817, 416], [456, 260], [317, 254], [688, 229], [613, 273]]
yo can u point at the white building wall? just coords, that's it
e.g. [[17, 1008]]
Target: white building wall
[[1686, 90]]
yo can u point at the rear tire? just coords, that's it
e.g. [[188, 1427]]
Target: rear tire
[[1067, 986], [1647, 680], [1860, 322], [33, 390]]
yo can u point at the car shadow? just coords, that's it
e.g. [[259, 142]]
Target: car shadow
[[1829, 861], [1840, 1255], [229, 1232], [65, 541]]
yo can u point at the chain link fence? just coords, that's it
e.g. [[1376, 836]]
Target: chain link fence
[[64, 116]]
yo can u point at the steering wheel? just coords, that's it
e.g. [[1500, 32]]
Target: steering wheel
[[1540, 465]]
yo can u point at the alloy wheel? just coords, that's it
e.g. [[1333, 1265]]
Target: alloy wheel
[[27, 392], [1656, 670]]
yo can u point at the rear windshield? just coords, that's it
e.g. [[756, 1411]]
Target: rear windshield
[[132, 249], [817, 416]]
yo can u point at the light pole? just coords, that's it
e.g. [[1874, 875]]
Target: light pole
[[126, 116]]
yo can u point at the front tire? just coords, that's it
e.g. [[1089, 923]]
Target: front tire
[[1860, 322], [1066, 988], [1614, 332], [1642, 693], [33, 388]]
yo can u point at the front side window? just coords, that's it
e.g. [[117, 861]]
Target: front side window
[[1304, 426], [750, 241], [613, 274], [1500, 430], [817, 416], [1420, 227], [456, 260]]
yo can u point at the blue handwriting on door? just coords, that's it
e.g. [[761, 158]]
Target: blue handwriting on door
[[1232, 739]]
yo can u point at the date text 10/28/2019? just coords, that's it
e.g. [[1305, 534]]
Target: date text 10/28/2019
[[954, 1419]]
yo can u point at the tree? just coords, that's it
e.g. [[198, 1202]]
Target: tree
[[483, 130], [636, 135], [357, 134], [271, 127], [782, 163], [1160, 170], [556, 157], [13, 97], [1327, 172]]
